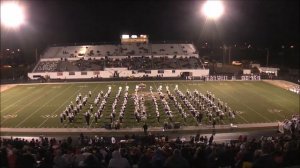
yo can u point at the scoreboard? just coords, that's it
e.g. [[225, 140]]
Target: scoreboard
[[126, 39]]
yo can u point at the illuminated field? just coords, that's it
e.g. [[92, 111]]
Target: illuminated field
[[39, 105]]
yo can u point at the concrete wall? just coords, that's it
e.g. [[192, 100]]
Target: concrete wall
[[123, 72]]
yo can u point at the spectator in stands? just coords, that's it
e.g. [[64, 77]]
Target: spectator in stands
[[117, 161], [91, 161], [269, 152], [58, 160], [265, 159], [176, 160], [158, 158], [145, 159]]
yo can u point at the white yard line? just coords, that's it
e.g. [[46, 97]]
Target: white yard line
[[189, 110], [277, 104], [37, 110], [24, 97], [20, 109], [96, 106], [70, 98], [269, 103], [244, 105], [12, 97], [237, 114]]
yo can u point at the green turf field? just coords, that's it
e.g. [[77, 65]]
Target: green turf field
[[39, 106]]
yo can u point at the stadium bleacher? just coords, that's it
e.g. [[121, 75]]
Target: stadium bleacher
[[47, 66], [134, 63], [139, 49], [135, 56]]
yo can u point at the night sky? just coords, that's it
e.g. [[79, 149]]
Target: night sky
[[258, 22]]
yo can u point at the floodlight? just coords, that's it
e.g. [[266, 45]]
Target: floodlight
[[213, 9], [125, 36], [133, 36], [12, 14], [82, 50]]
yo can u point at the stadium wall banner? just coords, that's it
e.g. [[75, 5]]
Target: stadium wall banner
[[268, 70], [246, 71]]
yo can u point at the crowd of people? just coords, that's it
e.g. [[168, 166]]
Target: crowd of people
[[47, 66], [139, 105], [155, 104], [290, 125], [205, 106], [164, 102], [122, 111], [131, 63], [71, 111], [150, 151]]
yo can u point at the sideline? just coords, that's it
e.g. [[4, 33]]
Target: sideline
[[281, 83], [123, 131]]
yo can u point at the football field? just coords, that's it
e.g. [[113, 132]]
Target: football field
[[40, 105]]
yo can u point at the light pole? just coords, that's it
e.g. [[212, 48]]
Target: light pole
[[12, 17], [268, 52], [224, 53], [213, 10]]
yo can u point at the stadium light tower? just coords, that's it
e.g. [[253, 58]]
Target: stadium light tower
[[12, 14], [213, 9]]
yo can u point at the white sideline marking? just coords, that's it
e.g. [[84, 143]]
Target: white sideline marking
[[42, 106]]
